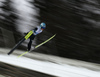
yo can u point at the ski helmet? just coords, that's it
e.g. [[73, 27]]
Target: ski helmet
[[43, 25]]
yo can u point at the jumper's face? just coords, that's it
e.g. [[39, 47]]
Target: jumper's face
[[42, 29]]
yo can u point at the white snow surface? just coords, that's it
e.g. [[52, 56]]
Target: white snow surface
[[59, 70]]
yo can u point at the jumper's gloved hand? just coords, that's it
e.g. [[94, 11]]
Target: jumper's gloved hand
[[25, 33]]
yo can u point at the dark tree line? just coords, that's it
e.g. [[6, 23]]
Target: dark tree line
[[8, 17], [75, 22], [76, 37]]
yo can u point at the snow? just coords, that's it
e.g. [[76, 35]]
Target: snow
[[26, 12], [60, 70]]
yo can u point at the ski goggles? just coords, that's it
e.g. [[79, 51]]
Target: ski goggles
[[43, 27]]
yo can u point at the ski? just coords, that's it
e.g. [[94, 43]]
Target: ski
[[21, 41], [38, 45]]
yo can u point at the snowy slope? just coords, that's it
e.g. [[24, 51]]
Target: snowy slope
[[56, 69]]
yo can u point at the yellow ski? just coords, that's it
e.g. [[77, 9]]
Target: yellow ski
[[38, 45]]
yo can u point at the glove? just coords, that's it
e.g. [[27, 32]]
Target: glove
[[25, 33]]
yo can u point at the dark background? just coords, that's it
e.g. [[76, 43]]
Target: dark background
[[76, 23]]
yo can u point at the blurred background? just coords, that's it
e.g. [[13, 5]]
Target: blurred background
[[76, 23]]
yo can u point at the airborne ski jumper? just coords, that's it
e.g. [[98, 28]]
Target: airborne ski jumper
[[36, 31], [31, 34]]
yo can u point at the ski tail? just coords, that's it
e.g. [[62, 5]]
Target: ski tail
[[38, 45], [16, 46]]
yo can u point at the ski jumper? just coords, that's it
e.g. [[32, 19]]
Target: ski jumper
[[36, 31]]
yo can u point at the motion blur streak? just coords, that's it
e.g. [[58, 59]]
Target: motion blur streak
[[26, 17], [60, 67], [77, 25]]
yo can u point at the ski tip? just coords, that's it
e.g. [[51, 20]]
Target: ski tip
[[55, 35]]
